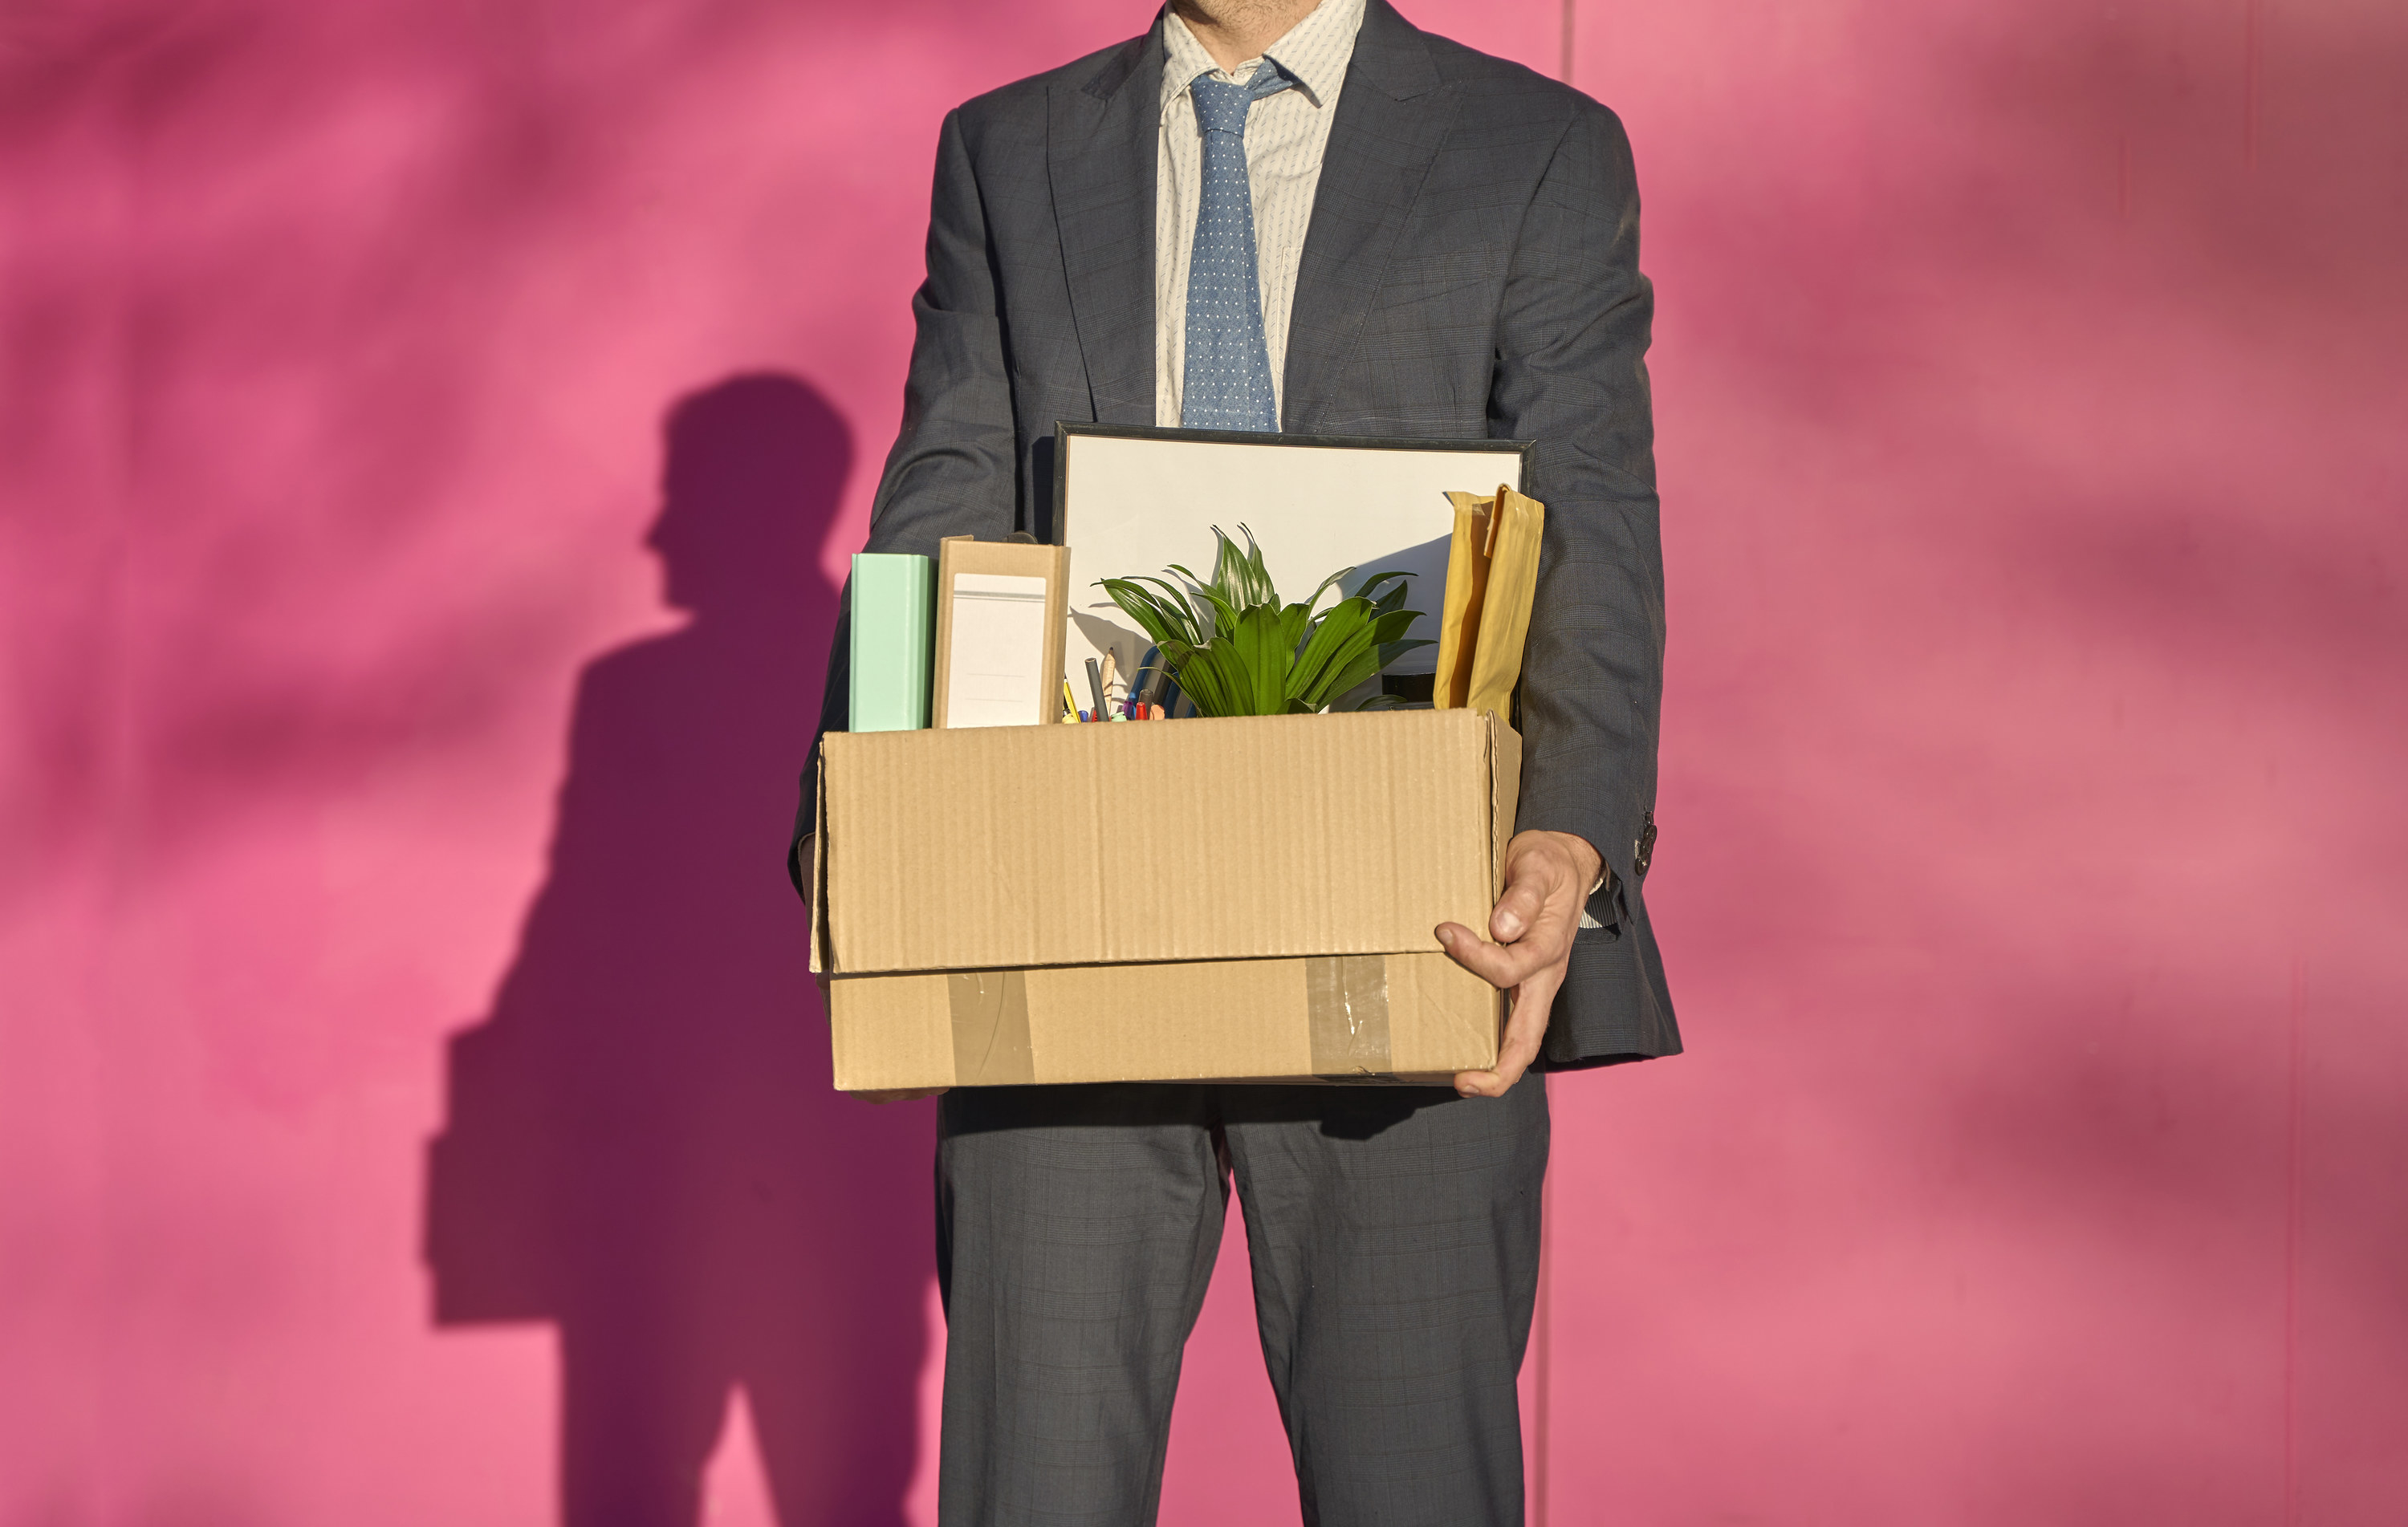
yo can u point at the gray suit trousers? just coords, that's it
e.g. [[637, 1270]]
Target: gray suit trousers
[[1395, 1240]]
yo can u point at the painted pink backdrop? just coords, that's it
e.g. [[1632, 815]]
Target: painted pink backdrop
[[432, 432]]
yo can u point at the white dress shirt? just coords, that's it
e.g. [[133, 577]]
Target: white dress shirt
[[1285, 134]]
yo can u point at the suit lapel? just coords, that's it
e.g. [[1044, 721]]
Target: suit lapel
[[1392, 116], [1100, 152]]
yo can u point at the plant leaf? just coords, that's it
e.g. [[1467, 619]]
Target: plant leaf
[[1234, 650], [1330, 637]]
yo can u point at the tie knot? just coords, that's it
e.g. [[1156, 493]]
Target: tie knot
[[1220, 105]]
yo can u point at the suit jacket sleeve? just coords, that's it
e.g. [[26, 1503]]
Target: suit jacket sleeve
[[1571, 375], [951, 470]]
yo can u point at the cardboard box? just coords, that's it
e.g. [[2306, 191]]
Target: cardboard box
[[1241, 899]]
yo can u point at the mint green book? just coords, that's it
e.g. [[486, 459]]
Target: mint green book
[[894, 629]]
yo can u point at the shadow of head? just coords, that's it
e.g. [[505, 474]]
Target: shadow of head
[[751, 472]]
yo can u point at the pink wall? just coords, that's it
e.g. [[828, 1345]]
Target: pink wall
[[2032, 871]]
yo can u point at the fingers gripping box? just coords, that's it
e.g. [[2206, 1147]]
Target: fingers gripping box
[[1241, 899]]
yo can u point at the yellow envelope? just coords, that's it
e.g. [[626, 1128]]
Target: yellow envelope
[[1466, 585], [1492, 575]]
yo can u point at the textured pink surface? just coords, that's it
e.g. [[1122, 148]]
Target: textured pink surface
[[2032, 873]]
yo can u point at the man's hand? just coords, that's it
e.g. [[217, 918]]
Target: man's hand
[[1547, 878]]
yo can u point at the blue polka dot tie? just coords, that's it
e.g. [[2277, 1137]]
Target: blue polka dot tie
[[1228, 381]]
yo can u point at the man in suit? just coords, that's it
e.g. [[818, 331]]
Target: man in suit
[[1272, 214]]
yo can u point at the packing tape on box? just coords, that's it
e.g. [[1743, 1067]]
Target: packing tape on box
[[991, 1029], [1346, 1004], [1346, 996]]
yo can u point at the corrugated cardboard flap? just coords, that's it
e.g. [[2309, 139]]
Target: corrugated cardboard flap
[[1140, 842]]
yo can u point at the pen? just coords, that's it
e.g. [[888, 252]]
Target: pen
[[1095, 682], [1069, 703], [1148, 680]]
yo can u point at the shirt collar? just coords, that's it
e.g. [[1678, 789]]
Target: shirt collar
[[1315, 52]]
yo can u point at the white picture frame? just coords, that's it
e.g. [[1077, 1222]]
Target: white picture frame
[[1129, 501]]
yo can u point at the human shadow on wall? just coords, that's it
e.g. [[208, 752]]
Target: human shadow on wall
[[642, 1144]]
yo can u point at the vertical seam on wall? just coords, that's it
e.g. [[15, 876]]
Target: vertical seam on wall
[[1543, 1382], [2293, 1217], [1543, 1423], [2251, 31]]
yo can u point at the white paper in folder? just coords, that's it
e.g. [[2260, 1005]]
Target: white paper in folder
[[999, 647]]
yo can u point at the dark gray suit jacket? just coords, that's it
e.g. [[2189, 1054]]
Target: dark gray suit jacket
[[1470, 270]]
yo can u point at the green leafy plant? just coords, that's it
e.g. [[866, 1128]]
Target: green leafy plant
[[1256, 656]]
